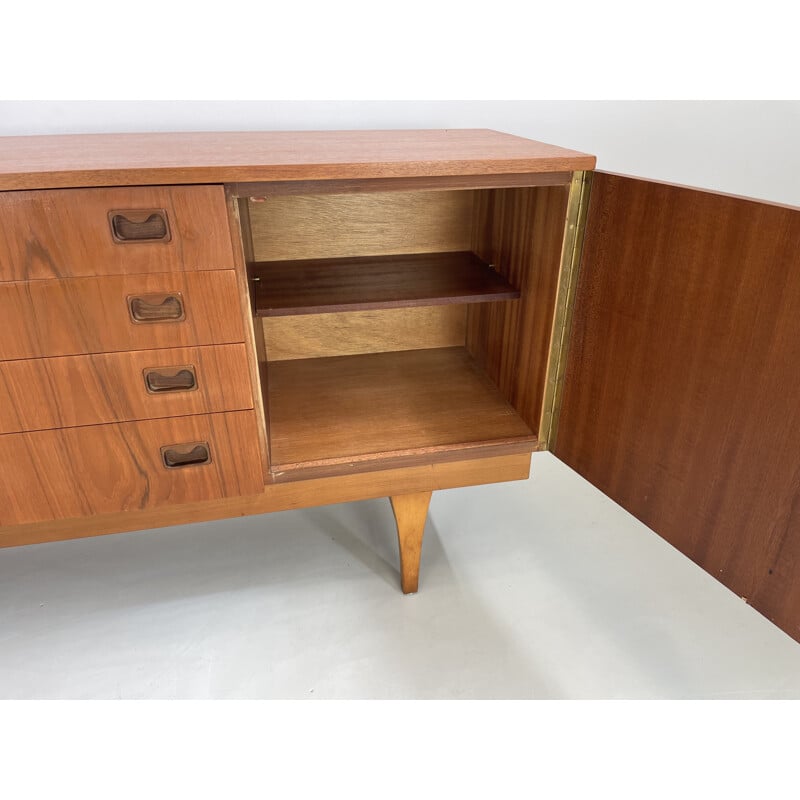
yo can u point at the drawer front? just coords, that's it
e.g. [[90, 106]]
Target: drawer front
[[78, 472], [96, 315], [44, 393], [82, 232]]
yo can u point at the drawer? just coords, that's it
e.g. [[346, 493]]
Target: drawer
[[82, 232], [94, 315], [43, 393], [78, 472]]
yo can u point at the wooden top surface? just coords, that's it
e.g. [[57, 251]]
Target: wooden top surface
[[132, 159]]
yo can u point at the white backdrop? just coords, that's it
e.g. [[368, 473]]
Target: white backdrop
[[742, 147]]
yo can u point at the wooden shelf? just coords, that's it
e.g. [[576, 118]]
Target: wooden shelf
[[331, 415], [316, 286]]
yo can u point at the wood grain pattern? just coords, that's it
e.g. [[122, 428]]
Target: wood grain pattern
[[67, 233], [77, 472], [283, 288], [90, 315], [410, 514], [421, 403], [521, 232], [413, 184], [44, 162], [408, 458], [281, 497], [683, 376], [349, 333], [37, 394], [343, 226]]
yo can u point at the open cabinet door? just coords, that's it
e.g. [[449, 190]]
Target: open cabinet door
[[682, 387]]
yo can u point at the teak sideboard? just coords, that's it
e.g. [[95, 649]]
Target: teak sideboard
[[196, 326]]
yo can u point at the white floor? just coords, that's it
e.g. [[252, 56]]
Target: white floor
[[537, 589]]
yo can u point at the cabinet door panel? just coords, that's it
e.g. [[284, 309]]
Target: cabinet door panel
[[682, 388]]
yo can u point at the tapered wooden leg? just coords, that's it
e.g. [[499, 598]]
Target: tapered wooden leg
[[410, 513]]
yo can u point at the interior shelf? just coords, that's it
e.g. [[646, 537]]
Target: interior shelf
[[283, 288], [412, 406]]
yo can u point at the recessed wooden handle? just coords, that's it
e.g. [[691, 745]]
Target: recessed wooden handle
[[156, 308], [148, 226], [182, 379], [176, 456]]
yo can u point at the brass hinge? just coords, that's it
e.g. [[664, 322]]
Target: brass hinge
[[577, 208]]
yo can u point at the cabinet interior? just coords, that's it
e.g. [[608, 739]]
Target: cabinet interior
[[402, 327]]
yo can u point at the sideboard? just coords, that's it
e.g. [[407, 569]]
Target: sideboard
[[199, 326]]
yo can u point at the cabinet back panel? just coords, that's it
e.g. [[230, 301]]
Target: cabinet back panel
[[521, 232], [349, 333], [339, 226], [683, 375]]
